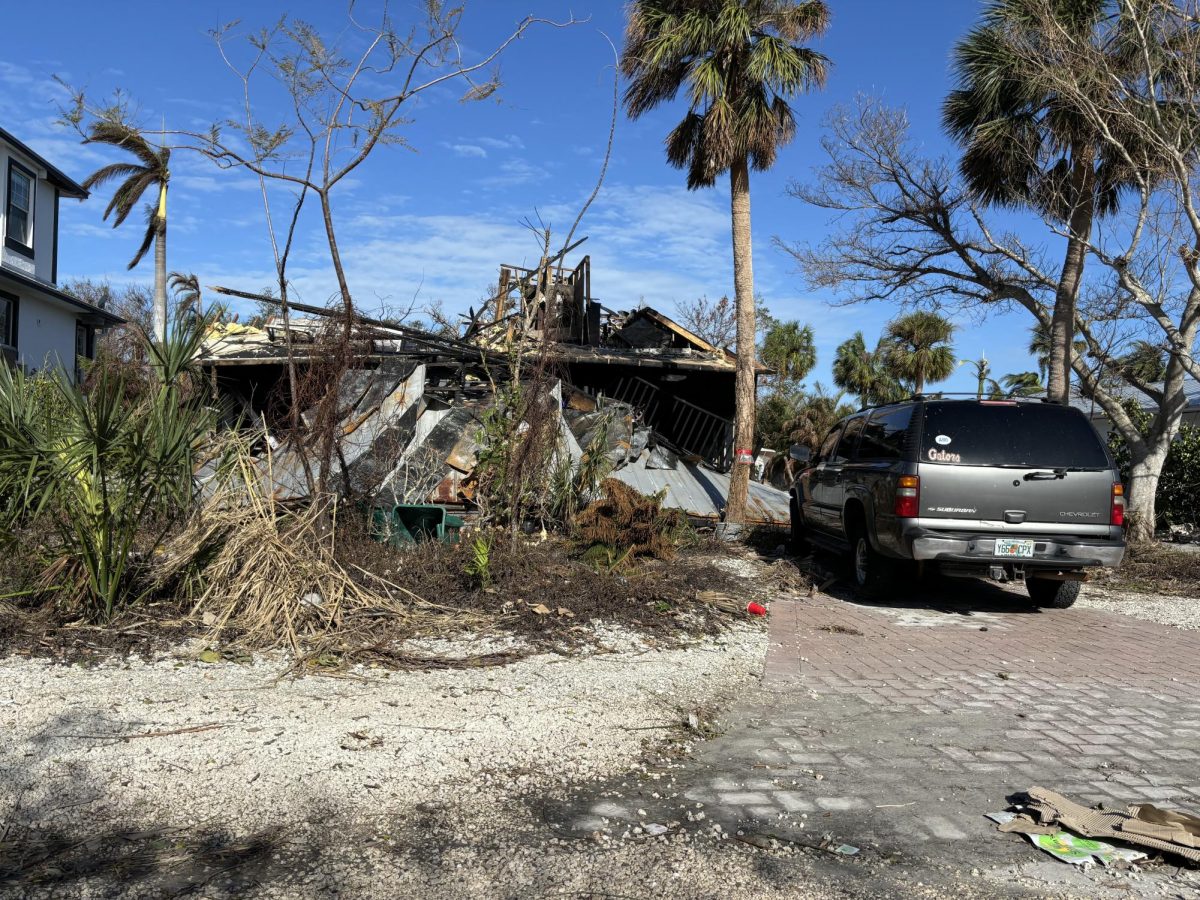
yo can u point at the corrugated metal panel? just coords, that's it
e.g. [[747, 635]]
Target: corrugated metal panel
[[701, 492]]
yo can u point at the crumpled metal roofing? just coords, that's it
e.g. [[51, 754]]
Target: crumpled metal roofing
[[701, 492]]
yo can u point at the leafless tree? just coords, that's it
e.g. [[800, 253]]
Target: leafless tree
[[713, 320], [345, 98], [909, 232]]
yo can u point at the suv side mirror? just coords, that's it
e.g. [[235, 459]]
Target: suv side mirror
[[800, 453]]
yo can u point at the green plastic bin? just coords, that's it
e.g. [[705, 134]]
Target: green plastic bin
[[408, 523]]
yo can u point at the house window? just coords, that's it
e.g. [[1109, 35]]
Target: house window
[[18, 217], [8, 321]]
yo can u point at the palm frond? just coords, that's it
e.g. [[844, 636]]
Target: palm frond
[[737, 60], [110, 172], [127, 195], [121, 134], [152, 227]]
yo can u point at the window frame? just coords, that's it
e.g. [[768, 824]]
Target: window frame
[[851, 453], [88, 333], [836, 429], [12, 321], [10, 242]]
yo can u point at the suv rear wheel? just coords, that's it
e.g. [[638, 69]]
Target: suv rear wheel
[[1052, 594], [869, 568]]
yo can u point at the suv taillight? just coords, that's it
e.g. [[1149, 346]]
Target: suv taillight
[[1117, 517], [908, 496]]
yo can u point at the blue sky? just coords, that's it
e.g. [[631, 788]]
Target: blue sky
[[434, 220]]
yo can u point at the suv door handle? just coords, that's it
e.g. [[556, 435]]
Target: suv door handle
[[1046, 475]]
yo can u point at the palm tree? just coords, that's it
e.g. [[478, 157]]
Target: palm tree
[[739, 61], [862, 372], [1145, 361], [150, 171], [817, 412], [1023, 384], [983, 369], [918, 348], [1039, 348], [186, 288], [1026, 146], [788, 349]]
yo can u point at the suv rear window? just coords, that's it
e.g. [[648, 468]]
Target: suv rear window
[[1021, 434]]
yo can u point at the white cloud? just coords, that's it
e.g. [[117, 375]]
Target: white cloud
[[514, 173], [509, 142], [467, 151]]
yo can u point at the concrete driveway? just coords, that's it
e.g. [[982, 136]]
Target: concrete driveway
[[895, 726]]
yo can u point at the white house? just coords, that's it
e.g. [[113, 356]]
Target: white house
[[1127, 393], [40, 325]]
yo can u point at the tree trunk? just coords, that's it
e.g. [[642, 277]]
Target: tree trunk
[[160, 267], [1140, 512], [744, 393], [327, 412], [1062, 322]]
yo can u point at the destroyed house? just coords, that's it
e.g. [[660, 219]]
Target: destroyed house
[[414, 401]]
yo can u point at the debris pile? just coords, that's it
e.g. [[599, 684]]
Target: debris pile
[[410, 409]]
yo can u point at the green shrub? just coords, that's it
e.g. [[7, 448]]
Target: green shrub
[[106, 472], [1178, 498]]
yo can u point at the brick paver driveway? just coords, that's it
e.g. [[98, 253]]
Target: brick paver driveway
[[894, 727]]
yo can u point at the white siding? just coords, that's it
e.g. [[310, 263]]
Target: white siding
[[45, 327], [43, 232], [45, 335], [42, 265]]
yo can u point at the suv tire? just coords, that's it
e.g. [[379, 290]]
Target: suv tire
[[870, 570], [799, 541], [1053, 594]]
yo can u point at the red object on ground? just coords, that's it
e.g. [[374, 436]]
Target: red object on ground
[[756, 609]]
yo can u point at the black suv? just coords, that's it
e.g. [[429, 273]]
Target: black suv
[[1015, 490]]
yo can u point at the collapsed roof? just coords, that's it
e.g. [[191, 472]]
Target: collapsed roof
[[411, 407]]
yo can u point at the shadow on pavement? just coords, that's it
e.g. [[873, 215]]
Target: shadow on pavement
[[932, 592]]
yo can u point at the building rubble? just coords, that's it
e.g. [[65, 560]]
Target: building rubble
[[411, 408]]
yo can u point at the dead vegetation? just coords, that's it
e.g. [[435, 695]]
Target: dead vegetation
[[548, 591], [623, 519], [1156, 569], [241, 577]]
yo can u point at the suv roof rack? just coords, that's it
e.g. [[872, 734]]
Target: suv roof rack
[[974, 395], [963, 395]]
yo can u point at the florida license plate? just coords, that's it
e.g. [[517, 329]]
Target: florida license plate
[[1019, 549]]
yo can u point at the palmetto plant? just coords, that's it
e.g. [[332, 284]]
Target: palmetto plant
[[151, 170], [108, 472], [1025, 145], [917, 348], [737, 62]]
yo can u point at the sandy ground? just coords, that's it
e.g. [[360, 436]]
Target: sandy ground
[[177, 742], [1182, 612], [179, 778]]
